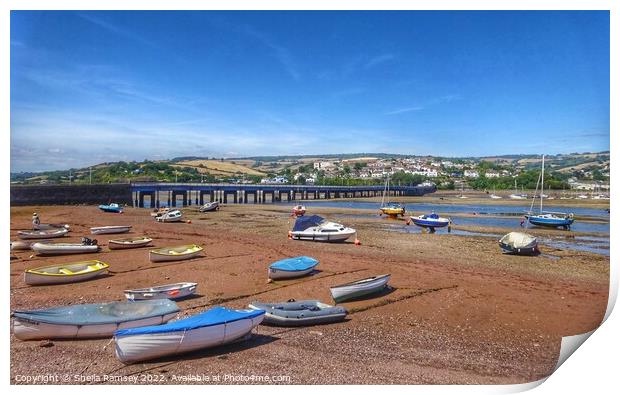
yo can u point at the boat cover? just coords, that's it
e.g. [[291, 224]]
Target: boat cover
[[518, 240], [215, 316], [299, 263], [100, 313], [304, 223]]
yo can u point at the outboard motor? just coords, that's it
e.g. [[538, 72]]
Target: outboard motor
[[89, 242]]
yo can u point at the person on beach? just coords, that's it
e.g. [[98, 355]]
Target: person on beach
[[35, 221], [449, 225], [522, 222]]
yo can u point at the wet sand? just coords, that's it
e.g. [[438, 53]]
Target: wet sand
[[459, 312]]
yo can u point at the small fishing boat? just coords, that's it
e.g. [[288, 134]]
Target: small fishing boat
[[179, 253], [299, 210], [292, 267], [129, 242], [41, 234], [393, 209], [111, 208], [64, 248], [65, 273], [102, 230], [90, 320], [301, 313], [51, 226], [161, 211], [211, 328], [170, 216], [430, 221], [359, 288], [210, 206], [170, 291], [519, 244], [316, 228]]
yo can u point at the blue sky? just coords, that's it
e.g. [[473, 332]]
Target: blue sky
[[89, 87]]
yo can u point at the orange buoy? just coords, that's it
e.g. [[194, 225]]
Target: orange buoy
[[357, 242], [189, 221], [290, 235]]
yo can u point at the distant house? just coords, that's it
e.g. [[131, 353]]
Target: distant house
[[491, 174], [471, 174], [323, 165]]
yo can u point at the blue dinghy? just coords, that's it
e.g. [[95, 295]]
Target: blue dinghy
[[90, 320], [292, 267], [111, 208], [211, 328]]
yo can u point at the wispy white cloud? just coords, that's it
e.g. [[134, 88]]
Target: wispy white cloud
[[429, 103], [404, 110], [281, 53], [117, 29], [380, 59]]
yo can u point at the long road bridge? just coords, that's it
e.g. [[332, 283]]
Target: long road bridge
[[160, 194]]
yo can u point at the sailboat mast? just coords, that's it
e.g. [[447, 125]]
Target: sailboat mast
[[542, 183]]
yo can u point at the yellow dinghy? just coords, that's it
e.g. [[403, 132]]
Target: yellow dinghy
[[65, 273], [179, 253]]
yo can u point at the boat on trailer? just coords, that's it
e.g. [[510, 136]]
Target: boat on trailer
[[317, 228], [90, 320], [211, 328], [300, 313]]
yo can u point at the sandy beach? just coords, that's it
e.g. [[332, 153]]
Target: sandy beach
[[458, 312]]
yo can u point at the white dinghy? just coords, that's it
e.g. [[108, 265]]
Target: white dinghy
[[90, 320], [359, 288], [170, 291], [104, 230], [64, 248], [42, 234], [214, 327], [129, 242]]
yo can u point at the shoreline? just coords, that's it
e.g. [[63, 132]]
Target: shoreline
[[460, 312]]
